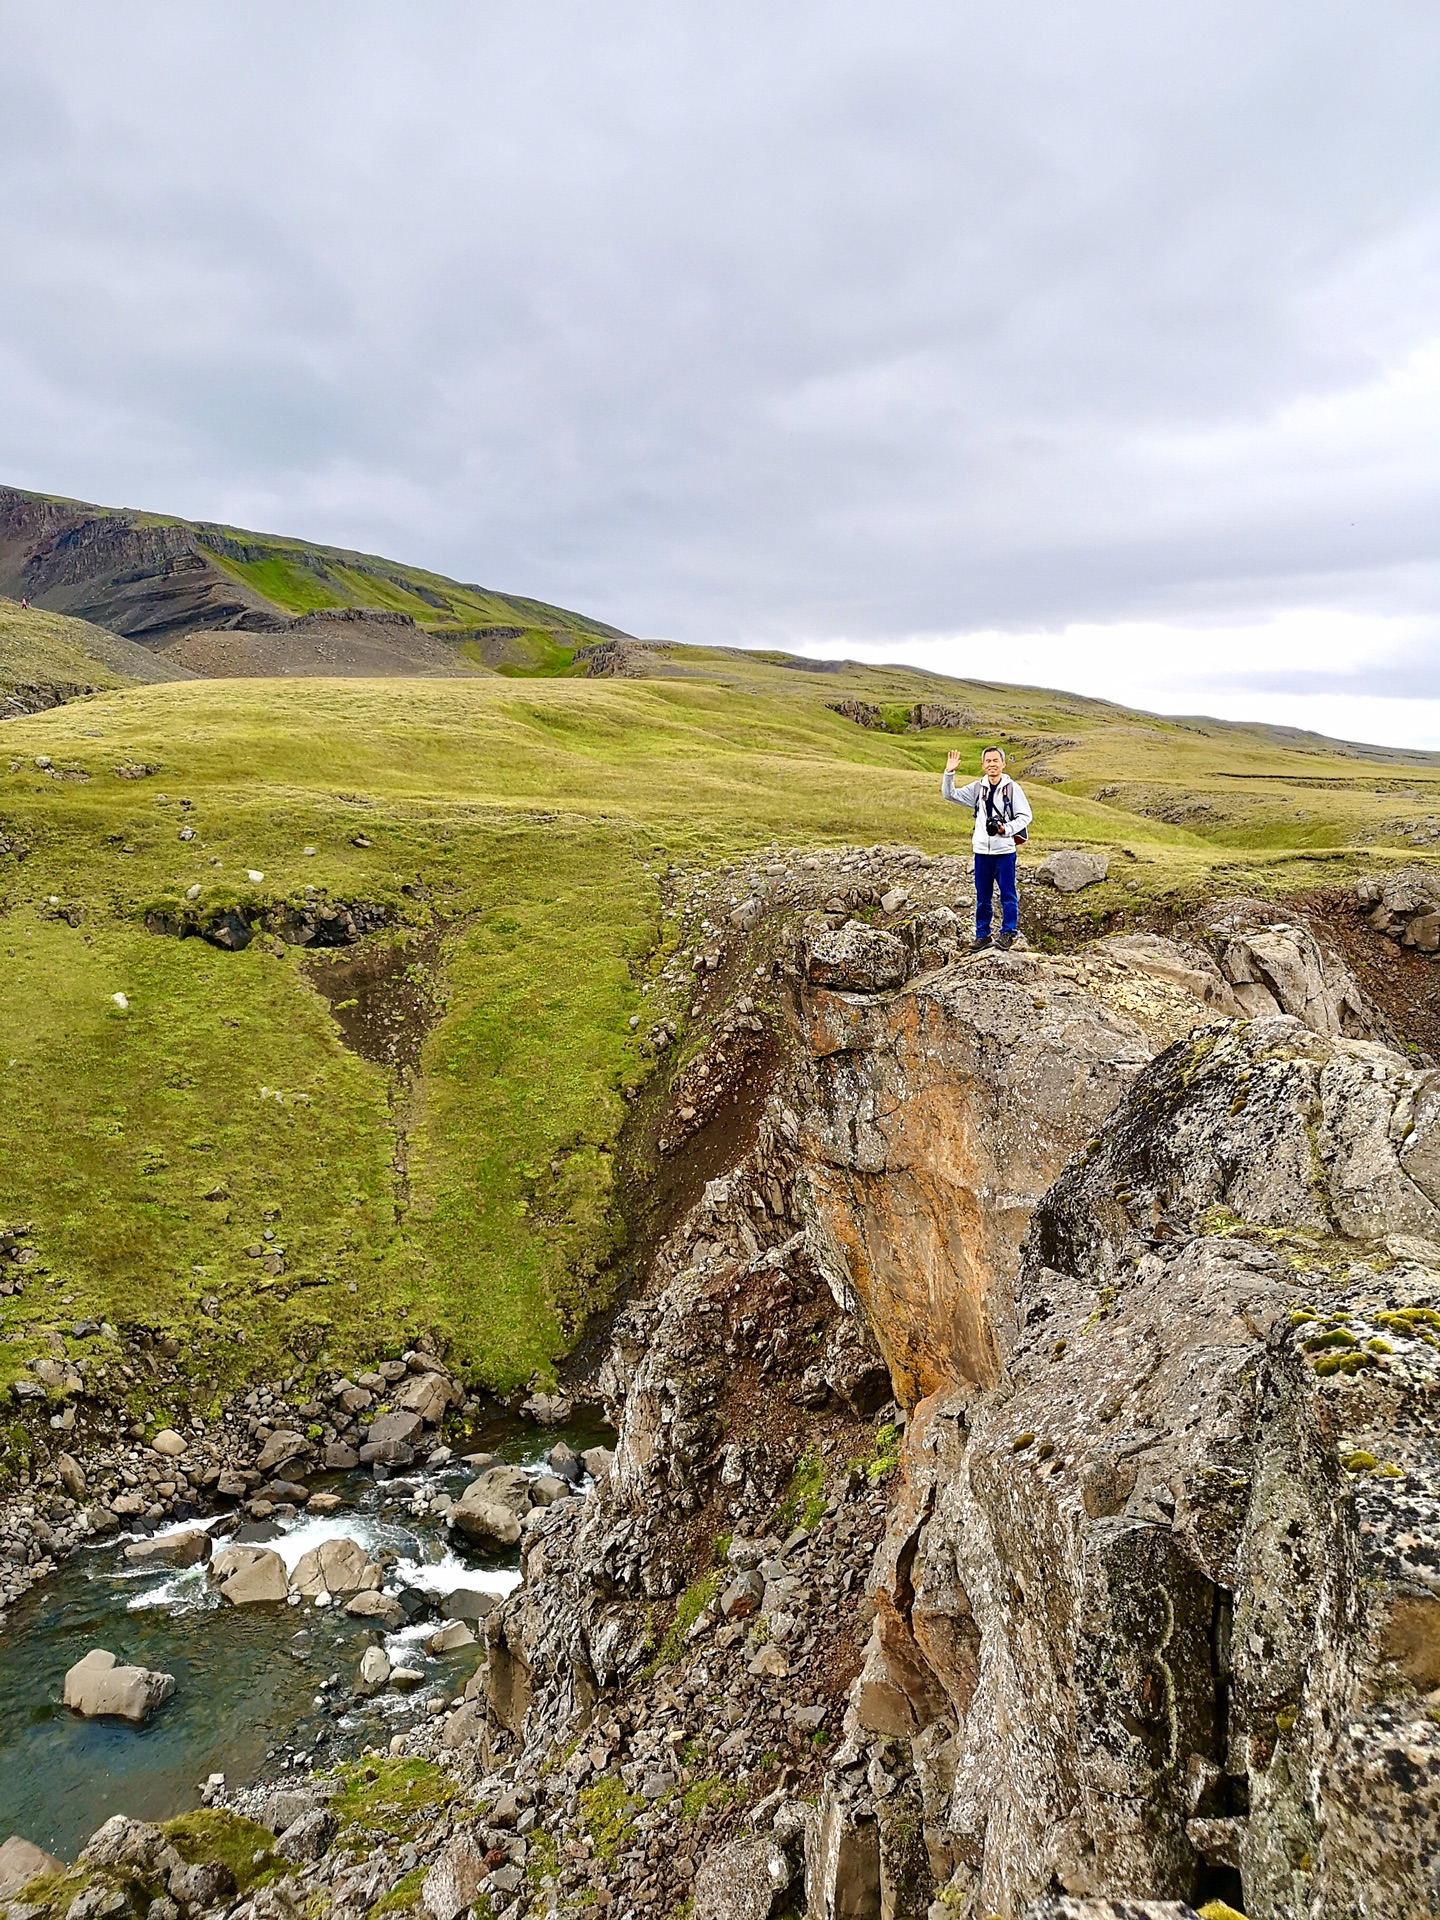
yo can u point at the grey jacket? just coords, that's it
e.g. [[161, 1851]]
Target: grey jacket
[[1016, 809]]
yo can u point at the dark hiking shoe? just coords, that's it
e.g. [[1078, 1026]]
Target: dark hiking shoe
[[1005, 940], [980, 946]]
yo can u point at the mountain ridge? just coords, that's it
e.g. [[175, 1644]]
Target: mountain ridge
[[156, 579]]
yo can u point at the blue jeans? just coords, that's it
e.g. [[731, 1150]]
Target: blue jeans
[[996, 869]]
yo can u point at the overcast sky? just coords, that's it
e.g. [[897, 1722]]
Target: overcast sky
[[1094, 346]]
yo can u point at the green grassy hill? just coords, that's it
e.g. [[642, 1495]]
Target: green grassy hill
[[516, 833], [50, 653]]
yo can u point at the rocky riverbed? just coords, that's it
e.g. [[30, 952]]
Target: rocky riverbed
[[260, 1687]]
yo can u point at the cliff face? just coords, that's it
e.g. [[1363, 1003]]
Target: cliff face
[[938, 1115], [1171, 1589], [1143, 1598], [144, 581]]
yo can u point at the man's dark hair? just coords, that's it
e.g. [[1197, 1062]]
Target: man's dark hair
[[999, 750]]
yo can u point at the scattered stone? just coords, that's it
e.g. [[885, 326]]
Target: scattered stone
[[744, 1880], [308, 1836], [169, 1443], [72, 1476], [202, 1885], [279, 1450], [456, 1877]]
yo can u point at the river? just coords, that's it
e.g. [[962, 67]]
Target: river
[[257, 1689]]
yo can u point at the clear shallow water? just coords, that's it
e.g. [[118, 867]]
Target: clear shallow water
[[250, 1682]]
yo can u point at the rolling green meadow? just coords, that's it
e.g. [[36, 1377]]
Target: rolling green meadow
[[518, 831]]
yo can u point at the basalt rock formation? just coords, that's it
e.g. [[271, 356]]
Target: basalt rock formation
[[1157, 1606]]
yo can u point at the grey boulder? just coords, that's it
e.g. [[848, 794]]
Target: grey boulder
[[249, 1576], [743, 1880], [99, 1687], [204, 1884], [1069, 870], [856, 959]]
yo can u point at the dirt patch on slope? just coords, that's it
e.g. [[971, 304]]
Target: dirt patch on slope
[[385, 999], [350, 643]]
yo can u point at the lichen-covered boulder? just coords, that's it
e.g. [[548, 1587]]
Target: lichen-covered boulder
[[1069, 871], [856, 959]]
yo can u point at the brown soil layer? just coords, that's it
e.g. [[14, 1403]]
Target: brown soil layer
[[383, 998], [1404, 984]]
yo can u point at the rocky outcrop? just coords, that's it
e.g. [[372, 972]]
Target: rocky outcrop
[[99, 1687], [1150, 1619], [1163, 1607], [936, 1118], [1404, 906], [1276, 965], [863, 712], [926, 714]]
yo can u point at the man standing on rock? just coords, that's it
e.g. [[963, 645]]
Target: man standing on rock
[[1002, 815]]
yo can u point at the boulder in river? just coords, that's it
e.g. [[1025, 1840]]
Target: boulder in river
[[484, 1521], [456, 1633], [185, 1549], [21, 1860], [98, 1686], [382, 1608], [468, 1603], [249, 1576], [492, 1507], [338, 1566], [548, 1489], [374, 1670]]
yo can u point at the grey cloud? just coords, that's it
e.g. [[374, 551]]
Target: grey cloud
[[753, 323]]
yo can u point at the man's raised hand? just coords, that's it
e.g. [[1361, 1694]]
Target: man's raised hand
[[952, 760]]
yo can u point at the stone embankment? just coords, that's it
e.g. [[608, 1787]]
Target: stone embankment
[[1025, 1499]]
